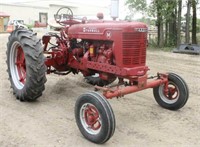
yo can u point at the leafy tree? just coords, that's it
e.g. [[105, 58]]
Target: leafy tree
[[198, 25], [168, 18], [159, 4], [138, 5], [179, 23], [194, 22], [187, 29]]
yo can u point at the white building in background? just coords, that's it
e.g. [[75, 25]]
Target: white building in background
[[28, 13], [41, 11]]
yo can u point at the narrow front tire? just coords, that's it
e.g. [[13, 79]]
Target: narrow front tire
[[94, 117], [177, 95]]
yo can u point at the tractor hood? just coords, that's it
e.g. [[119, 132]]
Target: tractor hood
[[104, 30]]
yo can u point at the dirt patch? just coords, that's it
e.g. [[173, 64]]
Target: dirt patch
[[140, 121]]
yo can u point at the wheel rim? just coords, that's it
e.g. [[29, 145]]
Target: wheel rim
[[172, 95], [90, 118], [17, 65]]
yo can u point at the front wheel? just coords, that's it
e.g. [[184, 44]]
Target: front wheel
[[94, 117], [177, 95]]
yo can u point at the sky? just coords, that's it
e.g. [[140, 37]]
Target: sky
[[123, 10]]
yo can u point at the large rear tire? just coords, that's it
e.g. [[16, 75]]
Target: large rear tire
[[94, 117], [26, 67]]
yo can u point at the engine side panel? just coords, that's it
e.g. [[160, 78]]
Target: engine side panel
[[129, 41]]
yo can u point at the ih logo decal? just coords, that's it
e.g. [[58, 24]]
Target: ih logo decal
[[108, 34]]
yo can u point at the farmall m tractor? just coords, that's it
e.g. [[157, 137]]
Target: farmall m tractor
[[110, 49]]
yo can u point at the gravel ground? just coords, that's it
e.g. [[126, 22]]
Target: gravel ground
[[140, 121]]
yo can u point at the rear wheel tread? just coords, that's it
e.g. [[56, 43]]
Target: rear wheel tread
[[35, 67]]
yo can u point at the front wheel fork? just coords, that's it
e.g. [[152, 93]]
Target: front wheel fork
[[164, 77]]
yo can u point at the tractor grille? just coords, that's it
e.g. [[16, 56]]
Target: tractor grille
[[134, 49]]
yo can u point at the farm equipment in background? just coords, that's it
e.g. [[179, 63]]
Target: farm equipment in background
[[188, 49], [38, 24], [15, 24], [109, 49]]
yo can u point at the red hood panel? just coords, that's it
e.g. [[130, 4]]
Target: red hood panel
[[104, 29]]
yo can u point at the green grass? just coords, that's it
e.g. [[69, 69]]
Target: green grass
[[165, 49], [30, 26], [198, 38]]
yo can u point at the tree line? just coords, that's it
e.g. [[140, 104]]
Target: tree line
[[169, 16]]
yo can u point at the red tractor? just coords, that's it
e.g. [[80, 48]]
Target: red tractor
[[109, 49]]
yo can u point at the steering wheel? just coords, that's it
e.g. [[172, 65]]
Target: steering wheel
[[63, 15]]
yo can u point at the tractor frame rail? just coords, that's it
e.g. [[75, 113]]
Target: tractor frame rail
[[142, 83]]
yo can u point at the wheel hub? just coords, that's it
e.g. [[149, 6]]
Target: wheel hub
[[90, 118], [170, 93], [20, 63], [17, 65]]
